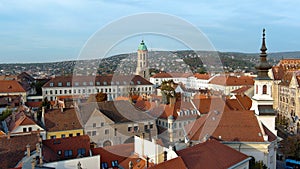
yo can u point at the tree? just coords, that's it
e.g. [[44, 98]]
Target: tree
[[167, 91], [291, 147], [99, 97]]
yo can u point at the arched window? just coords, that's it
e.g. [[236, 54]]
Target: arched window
[[264, 89], [106, 143]]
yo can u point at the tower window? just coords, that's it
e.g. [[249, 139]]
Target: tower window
[[264, 89]]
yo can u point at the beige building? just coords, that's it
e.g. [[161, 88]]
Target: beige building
[[115, 122], [286, 93]]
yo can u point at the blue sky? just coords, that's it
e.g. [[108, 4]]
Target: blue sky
[[55, 30]]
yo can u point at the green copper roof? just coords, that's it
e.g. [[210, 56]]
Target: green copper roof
[[142, 46]]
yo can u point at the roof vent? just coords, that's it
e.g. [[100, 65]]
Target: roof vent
[[9, 87]]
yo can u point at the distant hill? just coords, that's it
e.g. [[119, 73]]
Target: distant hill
[[184, 60]]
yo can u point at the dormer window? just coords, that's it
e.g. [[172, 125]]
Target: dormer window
[[112, 83], [91, 83], [51, 84], [124, 82], [59, 84], [84, 83], [138, 82], [98, 83], [68, 84], [117, 82], [104, 83]]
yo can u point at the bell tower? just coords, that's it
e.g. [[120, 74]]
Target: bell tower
[[262, 101], [142, 61]]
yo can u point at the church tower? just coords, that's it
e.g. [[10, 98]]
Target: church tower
[[262, 101], [142, 61]]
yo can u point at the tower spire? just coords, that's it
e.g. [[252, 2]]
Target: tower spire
[[263, 66], [263, 48]]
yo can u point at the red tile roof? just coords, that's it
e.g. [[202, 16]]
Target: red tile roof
[[175, 163], [55, 120], [138, 163], [232, 80], [108, 156], [121, 149], [210, 154], [52, 146], [10, 86], [97, 81], [202, 76], [20, 120], [241, 90], [12, 150], [33, 104], [171, 75], [227, 125]]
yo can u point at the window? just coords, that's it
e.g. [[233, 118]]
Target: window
[[264, 89], [93, 133], [106, 131], [135, 128], [68, 153], [102, 124], [74, 91], [71, 135], [94, 125], [83, 90], [66, 92], [68, 84], [51, 84], [60, 91], [151, 126], [104, 83], [77, 134], [89, 133], [91, 83], [129, 129], [51, 92], [59, 84], [59, 152], [145, 127], [55, 91], [114, 163], [70, 91], [84, 83], [81, 151], [112, 83], [104, 165], [98, 83], [89, 90], [29, 129], [53, 137], [76, 84], [138, 82], [63, 136], [24, 129]]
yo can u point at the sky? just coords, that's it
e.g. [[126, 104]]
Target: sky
[[56, 30]]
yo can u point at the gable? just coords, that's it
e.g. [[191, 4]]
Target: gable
[[98, 116]]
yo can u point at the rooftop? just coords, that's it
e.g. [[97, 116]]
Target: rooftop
[[10, 86]]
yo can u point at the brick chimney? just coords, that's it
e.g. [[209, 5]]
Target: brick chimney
[[28, 150]]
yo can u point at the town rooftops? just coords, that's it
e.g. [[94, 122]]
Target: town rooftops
[[54, 149], [118, 111], [18, 119], [232, 80], [12, 148], [118, 80], [227, 125], [173, 163], [11, 86], [212, 155], [202, 76], [55, 120], [172, 75]]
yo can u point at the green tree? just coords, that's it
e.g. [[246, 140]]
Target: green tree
[[291, 147], [5, 113]]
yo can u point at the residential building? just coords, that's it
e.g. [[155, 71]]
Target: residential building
[[12, 88], [285, 90], [22, 123], [115, 122], [142, 68], [61, 123], [65, 148], [226, 83], [158, 78], [83, 86], [198, 81], [213, 155]]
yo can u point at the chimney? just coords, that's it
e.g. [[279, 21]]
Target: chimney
[[13, 116], [130, 165], [35, 115], [33, 162], [165, 155], [8, 135], [43, 115], [37, 147], [61, 109], [28, 150], [147, 164]]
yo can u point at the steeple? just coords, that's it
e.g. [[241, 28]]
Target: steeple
[[263, 66]]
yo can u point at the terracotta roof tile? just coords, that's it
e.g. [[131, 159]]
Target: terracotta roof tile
[[175, 163], [171, 75], [52, 146], [67, 81], [20, 119], [12, 150], [232, 80], [241, 90], [210, 154], [228, 125], [108, 156], [10, 86], [55, 120], [202, 76]]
